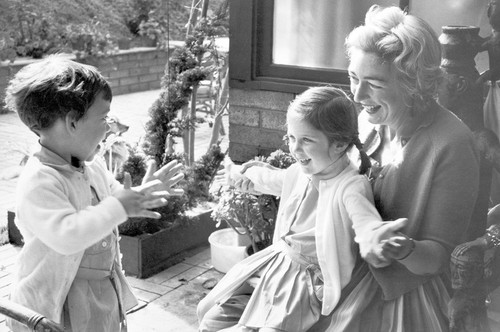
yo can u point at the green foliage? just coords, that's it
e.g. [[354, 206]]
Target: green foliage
[[280, 159], [28, 32], [90, 39], [162, 112], [241, 211], [135, 165], [171, 213], [200, 175], [196, 185], [152, 18], [37, 27]]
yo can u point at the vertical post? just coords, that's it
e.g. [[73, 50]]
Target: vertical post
[[192, 112]]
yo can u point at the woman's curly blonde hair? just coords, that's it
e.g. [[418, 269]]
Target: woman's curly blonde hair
[[406, 41]]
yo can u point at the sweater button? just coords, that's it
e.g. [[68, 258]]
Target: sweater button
[[104, 244], [381, 176]]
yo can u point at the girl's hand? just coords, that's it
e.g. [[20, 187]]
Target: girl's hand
[[138, 203], [244, 184], [234, 176], [162, 180], [255, 163]]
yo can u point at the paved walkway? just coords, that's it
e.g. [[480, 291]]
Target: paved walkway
[[168, 299]]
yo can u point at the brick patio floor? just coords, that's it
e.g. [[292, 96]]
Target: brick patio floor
[[168, 299]]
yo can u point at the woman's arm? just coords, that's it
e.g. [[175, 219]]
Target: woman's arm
[[415, 254]]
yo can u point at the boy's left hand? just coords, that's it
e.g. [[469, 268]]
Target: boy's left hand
[[163, 179]]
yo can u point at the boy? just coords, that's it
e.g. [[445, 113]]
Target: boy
[[69, 205]]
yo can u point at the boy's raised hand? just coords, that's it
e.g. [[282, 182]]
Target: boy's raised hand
[[161, 181], [138, 203]]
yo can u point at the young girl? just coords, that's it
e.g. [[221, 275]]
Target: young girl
[[68, 203], [326, 211]]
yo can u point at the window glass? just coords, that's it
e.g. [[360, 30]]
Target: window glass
[[312, 33]]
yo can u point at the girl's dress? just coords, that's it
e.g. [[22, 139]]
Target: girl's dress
[[314, 233]]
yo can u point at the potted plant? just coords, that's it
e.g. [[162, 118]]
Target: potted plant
[[247, 215]]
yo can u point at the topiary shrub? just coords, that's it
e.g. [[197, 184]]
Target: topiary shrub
[[196, 186]]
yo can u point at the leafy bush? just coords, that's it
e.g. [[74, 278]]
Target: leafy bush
[[37, 27], [196, 185], [90, 39]]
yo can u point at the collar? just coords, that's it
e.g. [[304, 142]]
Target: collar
[[316, 182], [52, 159]]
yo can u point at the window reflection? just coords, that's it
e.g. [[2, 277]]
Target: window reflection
[[312, 33]]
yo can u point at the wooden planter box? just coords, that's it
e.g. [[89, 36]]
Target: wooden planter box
[[147, 254]]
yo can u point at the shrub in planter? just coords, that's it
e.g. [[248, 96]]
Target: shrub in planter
[[151, 245], [196, 185]]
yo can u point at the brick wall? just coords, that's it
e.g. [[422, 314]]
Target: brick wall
[[133, 70], [256, 122]]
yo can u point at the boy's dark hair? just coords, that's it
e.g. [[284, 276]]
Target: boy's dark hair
[[47, 90]]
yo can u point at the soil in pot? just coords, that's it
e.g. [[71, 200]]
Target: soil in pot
[[260, 245]]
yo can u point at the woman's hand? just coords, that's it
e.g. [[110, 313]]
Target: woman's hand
[[371, 244], [398, 247], [419, 257]]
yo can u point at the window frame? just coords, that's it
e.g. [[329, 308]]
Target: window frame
[[250, 53]]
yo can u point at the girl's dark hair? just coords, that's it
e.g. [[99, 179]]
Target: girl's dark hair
[[47, 90], [332, 112]]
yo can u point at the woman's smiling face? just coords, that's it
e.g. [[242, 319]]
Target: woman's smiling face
[[375, 86]]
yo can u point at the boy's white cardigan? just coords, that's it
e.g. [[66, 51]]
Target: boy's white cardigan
[[58, 222]]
